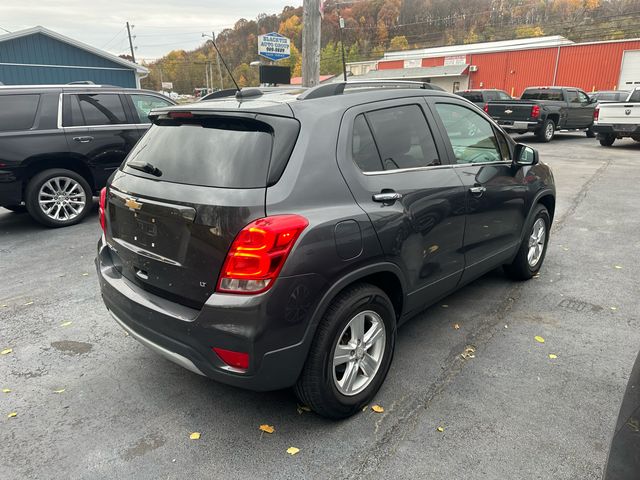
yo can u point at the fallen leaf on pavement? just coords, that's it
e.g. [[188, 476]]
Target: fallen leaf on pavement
[[6, 351], [456, 326], [5, 305], [61, 390], [28, 303], [553, 356], [65, 324], [6, 390], [195, 436], [303, 408], [85, 274], [614, 308], [292, 450], [267, 428], [469, 352], [377, 408], [539, 339], [12, 414], [618, 267], [440, 429]]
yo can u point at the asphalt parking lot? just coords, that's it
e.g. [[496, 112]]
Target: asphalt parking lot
[[93, 403]]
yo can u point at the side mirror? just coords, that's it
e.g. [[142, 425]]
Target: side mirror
[[525, 155]]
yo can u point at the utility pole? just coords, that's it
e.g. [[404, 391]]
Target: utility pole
[[344, 63], [311, 43], [133, 55], [213, 36]]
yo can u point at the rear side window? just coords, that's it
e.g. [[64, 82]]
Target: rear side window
[[475, 97], [18, 112], [145, 103], [503, 95], [403, 137], [93, 109], [542, 94], [364, 150], [229, 153]]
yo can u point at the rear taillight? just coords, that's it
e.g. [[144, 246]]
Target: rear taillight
[[233, 359], [102, 210], [258, 253], [596, 114], [535, 111], [486, 108]]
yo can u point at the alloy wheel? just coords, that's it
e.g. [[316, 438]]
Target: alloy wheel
[[62, 199], [537, 242], [358, 353]]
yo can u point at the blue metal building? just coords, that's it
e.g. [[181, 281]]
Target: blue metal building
[[39, 56]]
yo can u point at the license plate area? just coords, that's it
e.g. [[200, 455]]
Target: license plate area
[[625, 127]]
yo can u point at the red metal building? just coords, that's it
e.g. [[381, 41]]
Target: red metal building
[[514, 65]]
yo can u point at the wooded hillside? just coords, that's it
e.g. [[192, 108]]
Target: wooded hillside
[[375, 26]]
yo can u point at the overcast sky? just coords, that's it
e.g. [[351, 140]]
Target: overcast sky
[[160, 25]]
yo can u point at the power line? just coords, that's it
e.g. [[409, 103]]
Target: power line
[[114, 37]]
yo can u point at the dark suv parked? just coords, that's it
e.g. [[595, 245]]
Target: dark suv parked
[[59, 144], [279, 238]]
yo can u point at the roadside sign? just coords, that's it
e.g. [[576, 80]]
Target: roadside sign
[[167, 85], [274, 46]]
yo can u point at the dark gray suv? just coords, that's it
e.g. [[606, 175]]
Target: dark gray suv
[[278, 238]]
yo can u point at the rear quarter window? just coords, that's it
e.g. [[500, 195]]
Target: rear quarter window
[[18, 112], [475, 97], [229, 153], [542, 94]]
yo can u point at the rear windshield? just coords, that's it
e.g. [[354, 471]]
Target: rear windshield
[[475, 97], [635, 96], [542, 94], [229, 153]]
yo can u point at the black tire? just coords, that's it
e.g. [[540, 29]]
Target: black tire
[[606, 140], [547, 131], [520, 269], [590, 133], [316, 387], [33, 189], [16, 208]]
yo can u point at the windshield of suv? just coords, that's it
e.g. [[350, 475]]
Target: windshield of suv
[[230, 153], [542, 94]]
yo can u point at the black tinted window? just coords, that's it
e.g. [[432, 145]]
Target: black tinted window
[[217, 153], [572, 96], [635, 96], [101, 109], [364, 150], [475, 97], [403, 137], [503, 95], [18, 112], [542, 94]]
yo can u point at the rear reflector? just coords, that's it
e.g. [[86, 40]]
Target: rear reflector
[[596, 114], [486, 108], [258, 253], [535, 111], [101, 210], [233, 359]]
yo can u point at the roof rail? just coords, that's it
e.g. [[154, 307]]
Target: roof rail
[[338, 88]]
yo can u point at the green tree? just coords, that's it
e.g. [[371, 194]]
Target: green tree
[[399, 43]]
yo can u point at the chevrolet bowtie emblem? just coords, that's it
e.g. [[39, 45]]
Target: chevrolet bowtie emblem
[[508, 112], [132, 204]]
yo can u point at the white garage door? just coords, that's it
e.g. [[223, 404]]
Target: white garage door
[[630, 71]]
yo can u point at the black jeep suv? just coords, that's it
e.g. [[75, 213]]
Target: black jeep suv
[[277, 239], [59, 144]]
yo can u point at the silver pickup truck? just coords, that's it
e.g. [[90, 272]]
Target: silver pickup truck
[[618, 120]]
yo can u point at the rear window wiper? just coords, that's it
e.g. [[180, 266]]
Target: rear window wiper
[[145, 167]]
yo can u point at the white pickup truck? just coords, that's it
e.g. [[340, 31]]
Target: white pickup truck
[[618, 120]]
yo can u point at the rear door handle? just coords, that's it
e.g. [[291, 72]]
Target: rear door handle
[[387, 197], [478, 190], [82, 139]]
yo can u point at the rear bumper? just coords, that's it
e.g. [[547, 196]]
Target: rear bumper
[[518, 126], [255, 324], [612, 129]]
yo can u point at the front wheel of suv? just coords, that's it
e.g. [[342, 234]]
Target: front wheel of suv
[[533, 249], [351, 353], [58, 197]]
